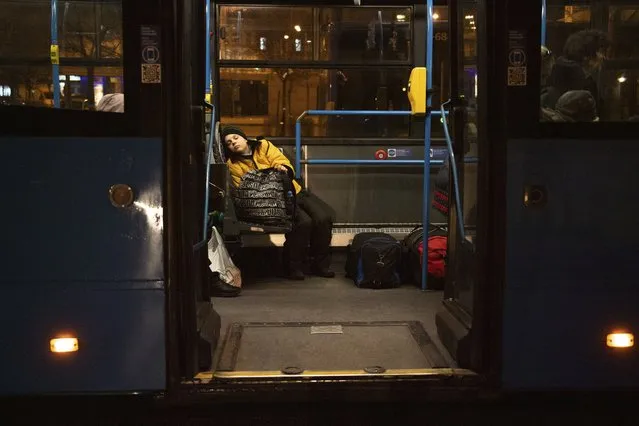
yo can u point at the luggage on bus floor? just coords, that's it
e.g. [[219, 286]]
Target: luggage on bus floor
[[413, 251], [374, 260]]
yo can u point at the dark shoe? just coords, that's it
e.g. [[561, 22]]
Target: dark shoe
[[221, 289], [324, 273], [295, 274]]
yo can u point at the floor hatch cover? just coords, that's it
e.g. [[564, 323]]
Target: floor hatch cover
[[295, 347]]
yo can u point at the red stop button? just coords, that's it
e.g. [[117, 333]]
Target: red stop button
[[381, 154]]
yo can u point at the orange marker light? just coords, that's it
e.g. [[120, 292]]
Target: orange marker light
[[64, 344], [620, 340]]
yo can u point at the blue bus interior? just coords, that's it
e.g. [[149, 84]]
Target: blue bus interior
[[112, 210]]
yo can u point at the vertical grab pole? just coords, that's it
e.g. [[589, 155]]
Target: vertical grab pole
[[55, 54], [427, 126], [207, 189], [207, 75], [298, 146], [543, 22], [207, 91]]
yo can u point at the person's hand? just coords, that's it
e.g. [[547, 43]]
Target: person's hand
[[281, 168]]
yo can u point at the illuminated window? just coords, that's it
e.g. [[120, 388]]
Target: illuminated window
[[88, 31], [610, 74], [315, 34]]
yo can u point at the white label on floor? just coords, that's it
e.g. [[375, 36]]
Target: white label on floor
[[326, 329]]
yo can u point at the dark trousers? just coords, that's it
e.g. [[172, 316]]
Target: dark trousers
[[313, 228]]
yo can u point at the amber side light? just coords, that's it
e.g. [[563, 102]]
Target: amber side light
[[620, 340], [64, 344]]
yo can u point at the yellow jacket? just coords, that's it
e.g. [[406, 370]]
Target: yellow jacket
[[265, 155]]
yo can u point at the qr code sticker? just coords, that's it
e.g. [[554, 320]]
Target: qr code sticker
[[517, 76], [151, 73]]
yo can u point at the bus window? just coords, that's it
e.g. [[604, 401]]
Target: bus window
[[87, 59], [266, 33], [322, 57], [590, 67], [267, 101], [244, 98], [365, 34], [342, 35]]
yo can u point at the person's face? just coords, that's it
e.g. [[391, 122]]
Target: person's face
[[236, 143]]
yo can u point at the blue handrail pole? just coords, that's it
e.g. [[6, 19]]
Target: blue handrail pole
[[353, 112], [298, 146], [427, 126], [335, 161], [543, 22], [54, 42], [298, 126], [209, 156], [211, 140], [453, 166], [332, 161], [330, 112], [207, 75]]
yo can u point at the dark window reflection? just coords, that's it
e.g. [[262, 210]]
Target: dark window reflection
[[89, 34], [595, 50], [268, 100], [346, 34]]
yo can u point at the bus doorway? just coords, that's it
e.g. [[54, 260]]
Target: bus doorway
[[279, 329]]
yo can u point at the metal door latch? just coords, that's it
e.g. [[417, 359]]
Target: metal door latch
[[121, 195], [535, 195]]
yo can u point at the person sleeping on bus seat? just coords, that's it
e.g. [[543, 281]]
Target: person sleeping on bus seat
[[313, 224]]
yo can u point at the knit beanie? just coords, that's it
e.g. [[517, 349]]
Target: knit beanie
[[232, 130]]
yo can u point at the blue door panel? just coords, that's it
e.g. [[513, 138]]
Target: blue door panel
[[58, 221], [120, 328], [571, 274], [557, 339]]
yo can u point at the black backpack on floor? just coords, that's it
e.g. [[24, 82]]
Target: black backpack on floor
[[374, 260]]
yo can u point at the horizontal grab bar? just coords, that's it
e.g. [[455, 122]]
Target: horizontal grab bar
[[373, 162], [469, 160], [333, 112]]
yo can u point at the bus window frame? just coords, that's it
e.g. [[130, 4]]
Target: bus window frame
[[524, 120], [142, 101], [312, 63], [417, 54]]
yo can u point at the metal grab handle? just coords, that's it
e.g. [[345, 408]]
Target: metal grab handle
[[209, 154], [453, 165], [321, 112]]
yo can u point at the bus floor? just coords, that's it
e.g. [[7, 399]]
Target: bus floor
[[325, 324]]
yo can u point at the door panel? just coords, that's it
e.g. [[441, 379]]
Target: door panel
[[455, 320], [462, 121], [571, 264], [74, 264], [119, 327], [63, 224], [571, 199], [77, 265]]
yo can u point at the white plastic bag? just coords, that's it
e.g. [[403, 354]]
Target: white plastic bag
[[221, 261]]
